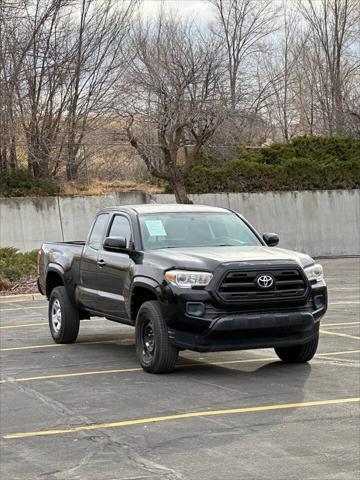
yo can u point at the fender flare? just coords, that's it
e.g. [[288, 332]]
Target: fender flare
[[58, 269], [144, 282], [55, 267]]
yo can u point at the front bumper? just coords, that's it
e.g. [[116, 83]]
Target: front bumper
[[221, 329], [251, 330]]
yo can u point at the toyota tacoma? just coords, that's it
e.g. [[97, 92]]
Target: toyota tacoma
[[187, 277]]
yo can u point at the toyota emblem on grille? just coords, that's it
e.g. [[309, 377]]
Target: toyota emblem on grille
[[265, 281]]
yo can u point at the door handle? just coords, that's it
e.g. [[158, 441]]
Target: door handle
[[101, 263]]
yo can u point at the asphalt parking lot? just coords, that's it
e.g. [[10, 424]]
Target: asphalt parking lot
[[87, 411]]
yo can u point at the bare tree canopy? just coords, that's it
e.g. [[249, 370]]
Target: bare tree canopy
[[175, 87], [333, 56], [60, 62], [243, 26], [74, 73]]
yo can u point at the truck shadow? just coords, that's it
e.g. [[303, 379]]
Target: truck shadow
[[246, 366]]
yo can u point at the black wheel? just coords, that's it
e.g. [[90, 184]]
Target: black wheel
[[299, 353], [154, 350], [64, 320]]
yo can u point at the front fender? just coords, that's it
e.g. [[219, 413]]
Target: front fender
[[146, 283]]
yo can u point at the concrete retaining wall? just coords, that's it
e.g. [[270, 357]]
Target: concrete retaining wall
[[27, 222], [319, 223]]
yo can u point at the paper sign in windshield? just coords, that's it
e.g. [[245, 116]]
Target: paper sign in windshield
[[155, 228]]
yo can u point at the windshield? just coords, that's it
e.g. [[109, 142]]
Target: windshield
[[172, 230]]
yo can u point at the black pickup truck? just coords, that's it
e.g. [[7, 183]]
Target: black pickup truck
[[187, 277]]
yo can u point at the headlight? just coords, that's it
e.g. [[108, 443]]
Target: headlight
[[187, 279], [314, 273]]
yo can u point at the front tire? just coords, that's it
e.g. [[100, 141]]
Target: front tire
[[154, 350], [298, 353], [64, 319]]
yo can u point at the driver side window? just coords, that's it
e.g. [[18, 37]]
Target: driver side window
[[120, 227], [98, 231]]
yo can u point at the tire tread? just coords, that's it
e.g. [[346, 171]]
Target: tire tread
[[166, 353], [70, 318], [298, 353]]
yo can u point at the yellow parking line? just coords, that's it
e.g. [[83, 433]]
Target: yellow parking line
[[344, 352], [187, 365], [345, 288], [345, 327], [180, 416], [45, 324], [346, 335], [344, 302], [339, 324], [125, 370], [24, 325], [52, 345], [21, 308], [76, 374]]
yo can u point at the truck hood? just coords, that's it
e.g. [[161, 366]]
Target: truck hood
[[208, 258]]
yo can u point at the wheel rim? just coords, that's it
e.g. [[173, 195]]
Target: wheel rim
[[148, 339], [56, 316]]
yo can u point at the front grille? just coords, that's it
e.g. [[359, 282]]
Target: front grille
[[241, 286]]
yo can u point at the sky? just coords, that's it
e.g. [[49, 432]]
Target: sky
[[199, 9]]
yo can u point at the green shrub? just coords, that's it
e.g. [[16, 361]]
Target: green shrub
[[307, 163], [15, 265], [318, 149], [21, 183]]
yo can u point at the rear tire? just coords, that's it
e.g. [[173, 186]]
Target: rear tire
[[155, 352], [298, 353], [64, 320]]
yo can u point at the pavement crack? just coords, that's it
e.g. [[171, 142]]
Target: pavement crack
[[55, 405], [146, 464], [69, 472]]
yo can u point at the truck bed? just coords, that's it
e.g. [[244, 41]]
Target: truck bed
[[66, 255]]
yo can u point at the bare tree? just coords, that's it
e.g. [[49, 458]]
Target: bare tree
[[98, 62], [41, 89], [242, 25], [59, 73], [333, 35], [15, 44], [279, 69], [174, 89]]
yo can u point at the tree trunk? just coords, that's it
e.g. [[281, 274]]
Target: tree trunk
[[3, 158], [72, 169], [13, 156], [178, 185]]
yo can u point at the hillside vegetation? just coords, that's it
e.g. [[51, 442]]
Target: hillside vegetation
[[307, 163]]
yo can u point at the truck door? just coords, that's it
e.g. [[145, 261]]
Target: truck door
[[88, 288], [113, 272]]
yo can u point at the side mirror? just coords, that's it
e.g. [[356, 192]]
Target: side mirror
[[116, 244], [271, 239]]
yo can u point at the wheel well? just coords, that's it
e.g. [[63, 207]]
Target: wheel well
[[138, 297], [53, 280]]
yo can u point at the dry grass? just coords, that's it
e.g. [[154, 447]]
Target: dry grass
[[99, 187]]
